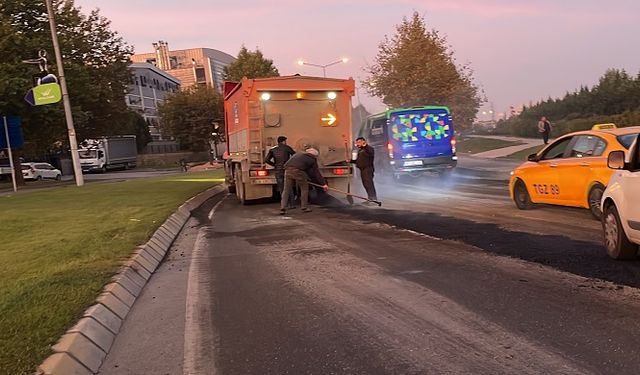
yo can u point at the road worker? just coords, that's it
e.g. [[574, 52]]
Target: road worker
[[300, 168], [277, 157]]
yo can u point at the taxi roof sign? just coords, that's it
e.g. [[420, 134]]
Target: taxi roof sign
[[604, 126]]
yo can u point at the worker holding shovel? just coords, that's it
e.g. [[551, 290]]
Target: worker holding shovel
[[299, 168], [364, 162]]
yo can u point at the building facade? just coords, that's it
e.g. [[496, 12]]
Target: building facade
[[195, 66], [150, 86]]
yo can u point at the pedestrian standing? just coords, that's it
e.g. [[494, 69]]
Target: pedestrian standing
[[544, 128], [364, 162], [277, 157], [300, 168]]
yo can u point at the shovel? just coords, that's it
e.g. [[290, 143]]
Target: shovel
[[349, 195]]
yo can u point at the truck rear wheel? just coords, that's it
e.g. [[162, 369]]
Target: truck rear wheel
[[240, 193]]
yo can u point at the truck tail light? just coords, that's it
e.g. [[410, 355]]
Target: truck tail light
[[259, 173], [453, 144], [390, 149], [340, 171]]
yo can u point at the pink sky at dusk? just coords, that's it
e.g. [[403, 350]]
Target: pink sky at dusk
[[521, 51]]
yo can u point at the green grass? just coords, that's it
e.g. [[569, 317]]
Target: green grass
[[522, 154], [59, 247], [475, 145]]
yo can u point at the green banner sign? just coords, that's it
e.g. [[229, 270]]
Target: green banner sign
[[47, 93]]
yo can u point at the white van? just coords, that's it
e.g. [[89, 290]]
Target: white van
[[621, 204]]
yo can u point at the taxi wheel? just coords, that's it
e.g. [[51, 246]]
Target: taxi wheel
[[595, 196], [521, 196], [616, 242]]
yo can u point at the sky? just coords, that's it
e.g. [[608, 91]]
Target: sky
[[521, 51]]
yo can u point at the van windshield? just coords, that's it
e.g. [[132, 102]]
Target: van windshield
[[419, 125]]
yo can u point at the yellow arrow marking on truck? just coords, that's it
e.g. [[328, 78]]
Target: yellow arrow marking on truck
[[330, 119]]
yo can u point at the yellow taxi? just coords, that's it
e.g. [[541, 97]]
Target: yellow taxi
[[571, 171]]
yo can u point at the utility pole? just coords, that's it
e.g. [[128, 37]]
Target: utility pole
[[13, 169], [73, 143]]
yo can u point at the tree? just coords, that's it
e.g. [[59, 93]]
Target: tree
[[616, 98], [96, 66], [251, 65], [416, 67], [140, 130], [189, 116], [358, 115]]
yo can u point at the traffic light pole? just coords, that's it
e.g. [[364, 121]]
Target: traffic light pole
[[73, 143]]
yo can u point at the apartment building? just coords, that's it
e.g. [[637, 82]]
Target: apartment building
[[195, 66], [149, 87]]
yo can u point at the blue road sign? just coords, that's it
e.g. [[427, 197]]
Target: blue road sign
[[15, 132]]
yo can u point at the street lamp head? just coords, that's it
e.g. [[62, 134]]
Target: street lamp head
[[300, 62], [345, 60]]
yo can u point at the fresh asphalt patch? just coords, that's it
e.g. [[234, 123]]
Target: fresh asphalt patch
[[582, 258]]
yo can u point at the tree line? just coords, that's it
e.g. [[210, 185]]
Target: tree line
[[615, 98], [96, 63], [414, 67]]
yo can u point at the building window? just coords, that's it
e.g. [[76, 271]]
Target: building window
[[133, 100], [200, 75]]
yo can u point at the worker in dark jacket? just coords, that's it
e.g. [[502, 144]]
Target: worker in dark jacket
[[364, 162], [302, 167], [276, 157]]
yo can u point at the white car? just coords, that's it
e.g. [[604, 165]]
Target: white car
[[621, 204], [38, 171]]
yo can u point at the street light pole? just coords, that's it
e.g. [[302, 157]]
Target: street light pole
[[324, 67], [73, 143]]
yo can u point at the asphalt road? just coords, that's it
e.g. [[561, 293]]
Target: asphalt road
[[447, 277]]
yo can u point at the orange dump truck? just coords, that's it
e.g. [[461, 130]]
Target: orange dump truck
[[309, 111]]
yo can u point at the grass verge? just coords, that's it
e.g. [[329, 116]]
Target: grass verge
[[59, 247], [474, 145], [522, 154]]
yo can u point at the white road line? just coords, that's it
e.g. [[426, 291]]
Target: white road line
[[213, 210], [198, 332]]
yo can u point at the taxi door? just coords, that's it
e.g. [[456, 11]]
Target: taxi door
[[542, 180], [582, 166]]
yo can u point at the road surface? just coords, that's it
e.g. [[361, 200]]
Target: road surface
[[447, 277]]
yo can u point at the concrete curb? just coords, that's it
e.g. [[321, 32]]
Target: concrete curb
[[83, 348]]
